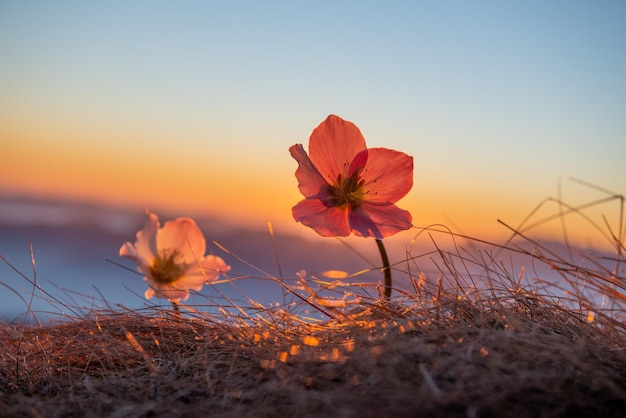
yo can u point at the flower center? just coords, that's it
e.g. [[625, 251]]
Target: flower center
[[347, 191], [165, 269]]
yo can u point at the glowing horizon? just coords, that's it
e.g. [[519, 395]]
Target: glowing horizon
[[247, 202], [193, 109], [236, 194]]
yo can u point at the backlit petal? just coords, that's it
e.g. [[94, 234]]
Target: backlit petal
[[379, 221], [333, 145], [167, 292], [326, 220], [209, 268], [215, 263], [388, 175], [194, 280], [184, 236], [358, 163], [149, 293], [174, 292], [310, 181], [128, 250], [144, 249]]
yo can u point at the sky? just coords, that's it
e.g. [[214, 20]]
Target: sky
[[192, 106]]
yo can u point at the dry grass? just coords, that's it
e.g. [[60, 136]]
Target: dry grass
[[467, 337], [528, 358]]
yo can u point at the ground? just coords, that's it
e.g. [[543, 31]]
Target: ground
[[489, 357]]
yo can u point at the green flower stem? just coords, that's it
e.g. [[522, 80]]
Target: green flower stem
[[386, 268]]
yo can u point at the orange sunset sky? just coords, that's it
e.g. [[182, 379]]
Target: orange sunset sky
[[191, 107]]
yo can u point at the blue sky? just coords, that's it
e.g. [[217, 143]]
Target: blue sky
[[496, 101]]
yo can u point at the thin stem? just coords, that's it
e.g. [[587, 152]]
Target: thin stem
[[176, 308], [386, 268]]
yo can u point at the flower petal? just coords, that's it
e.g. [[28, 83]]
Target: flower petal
[[327, 220], [193, 281], [209, 268], [144, 249], [184, 236], [167, 292], [310, 181], [149, 293], [387, 176], [128, 250], [333, 145], [358, 163], [175, 291], [379, 221]]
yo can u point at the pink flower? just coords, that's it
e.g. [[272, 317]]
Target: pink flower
[[172, 258], [349, 188]]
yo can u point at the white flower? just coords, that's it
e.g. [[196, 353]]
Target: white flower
[[172, 258]]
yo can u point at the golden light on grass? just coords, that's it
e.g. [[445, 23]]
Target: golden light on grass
[[311, 341], [133, 341]]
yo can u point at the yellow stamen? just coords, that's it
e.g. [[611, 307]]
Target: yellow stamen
[[165, 269], [347, 191]]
